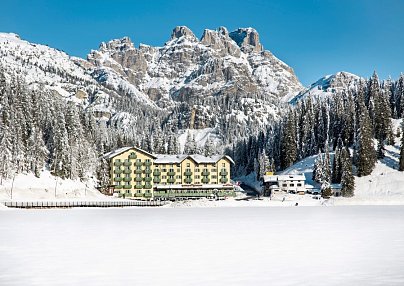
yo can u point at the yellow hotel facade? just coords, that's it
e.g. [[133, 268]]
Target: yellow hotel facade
[[135, 173]]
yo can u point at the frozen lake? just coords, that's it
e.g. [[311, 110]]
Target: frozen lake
[[350, 245]]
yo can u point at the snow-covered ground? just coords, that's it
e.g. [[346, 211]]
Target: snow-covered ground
[[351, 245], [28, 187]]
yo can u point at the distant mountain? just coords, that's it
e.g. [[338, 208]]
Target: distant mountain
[[223, 81]]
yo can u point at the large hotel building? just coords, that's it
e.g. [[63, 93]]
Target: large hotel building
[[136, 173]]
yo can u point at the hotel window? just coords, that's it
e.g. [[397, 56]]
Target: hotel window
[[299, 184], [147, 160], [284, 185], [164, 177], [214, 182], [292, 185], [138, 160], [214, 176], [188, 165], [178, 170], [178, 165], [178, 177], [223, 164], [171, 170], [197, 170], [197, 176], [164, 170]]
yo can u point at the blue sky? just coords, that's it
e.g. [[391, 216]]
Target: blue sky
[[314, 37]]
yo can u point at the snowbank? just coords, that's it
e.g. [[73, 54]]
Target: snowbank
[[47, 187]]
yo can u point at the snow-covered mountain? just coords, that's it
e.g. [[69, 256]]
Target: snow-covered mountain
[[328, 85], [40, 66], [187, 68], [223, 81]]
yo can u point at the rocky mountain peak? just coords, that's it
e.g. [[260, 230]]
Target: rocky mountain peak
[[117, 45], [223, 30], [247, 39], [220, 41], [181, 31]]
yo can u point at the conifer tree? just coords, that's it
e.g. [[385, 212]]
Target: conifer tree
[[401, 161], [347, 178], [209, 148], [366, 157], [289, 149]]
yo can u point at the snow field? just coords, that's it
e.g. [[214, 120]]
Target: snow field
[[203, 246]]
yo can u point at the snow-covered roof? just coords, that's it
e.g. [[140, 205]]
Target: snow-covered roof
[[199, 159], [116, 152], [169, 159], [291, 178], [213, 159], [268, 178], [276, 178]]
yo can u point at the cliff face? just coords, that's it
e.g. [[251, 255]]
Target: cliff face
[[185, 68]]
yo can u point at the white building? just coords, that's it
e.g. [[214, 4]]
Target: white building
[[287, 183]]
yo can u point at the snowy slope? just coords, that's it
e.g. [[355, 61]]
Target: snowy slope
[[40, 64], [29, 187]]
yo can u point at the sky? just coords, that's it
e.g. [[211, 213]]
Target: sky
[[314, 37]]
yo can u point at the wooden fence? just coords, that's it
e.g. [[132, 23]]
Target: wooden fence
[[82, 204]]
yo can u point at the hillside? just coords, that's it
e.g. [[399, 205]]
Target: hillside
[[384, 186]]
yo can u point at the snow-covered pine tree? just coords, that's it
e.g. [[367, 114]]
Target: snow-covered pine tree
[[399, 95], [382, 113], [103, 175], [318, 168], [347, 178], [327, 165], [336, 166], [188, 143], [366, 156], [208, 147], [264, 165], [401, 161], [289, 148]]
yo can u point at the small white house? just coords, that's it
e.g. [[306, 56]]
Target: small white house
[[287, 183]]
